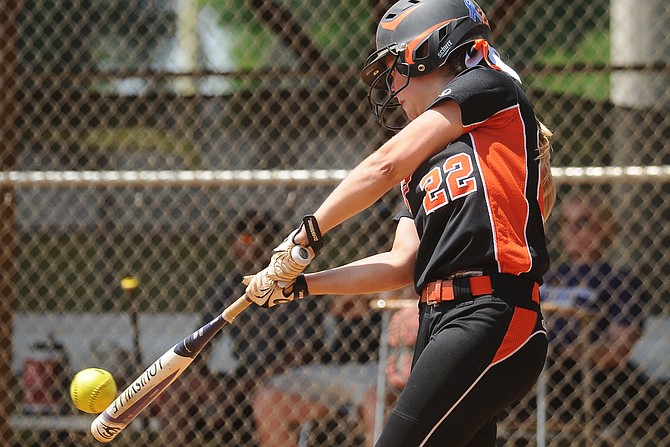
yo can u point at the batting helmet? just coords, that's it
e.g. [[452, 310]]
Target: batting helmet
[[419, 35]]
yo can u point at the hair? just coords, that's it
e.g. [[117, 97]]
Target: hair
[[546, 179], [455, 63]]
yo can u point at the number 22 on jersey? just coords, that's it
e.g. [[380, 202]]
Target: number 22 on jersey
[[446, 183]]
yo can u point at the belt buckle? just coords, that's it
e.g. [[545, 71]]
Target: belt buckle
[[437, 285]]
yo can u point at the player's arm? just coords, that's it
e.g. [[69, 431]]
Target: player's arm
[[394, 161], [378, 273]]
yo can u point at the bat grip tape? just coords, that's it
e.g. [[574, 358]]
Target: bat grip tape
[[236, 308]]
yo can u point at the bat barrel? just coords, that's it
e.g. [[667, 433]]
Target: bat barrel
[[104, 430], [130, 403], [148, 386]]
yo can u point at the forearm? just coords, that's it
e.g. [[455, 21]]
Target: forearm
[[364, 185], [378, 273], [385, 168]]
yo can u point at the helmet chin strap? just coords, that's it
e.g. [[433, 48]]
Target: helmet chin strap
[[481, 49]]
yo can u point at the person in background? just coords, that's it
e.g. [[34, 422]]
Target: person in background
[[586, 292], [402, 333]]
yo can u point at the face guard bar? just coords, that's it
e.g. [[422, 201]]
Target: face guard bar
[[379, 76]]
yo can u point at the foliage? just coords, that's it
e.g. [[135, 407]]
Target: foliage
[[593, 49], [342, 29], [66, 31]]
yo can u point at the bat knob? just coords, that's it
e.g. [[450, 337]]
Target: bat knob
[[301, 255]]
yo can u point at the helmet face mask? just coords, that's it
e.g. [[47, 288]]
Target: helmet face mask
[[379, 76], [420, 35]]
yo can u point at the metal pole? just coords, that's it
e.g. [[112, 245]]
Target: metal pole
[[542, 409], [9, 137], [577, 175], [381, 374], [640, 127], [187, 45]]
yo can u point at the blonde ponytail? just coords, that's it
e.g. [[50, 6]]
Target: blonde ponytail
[[547, 182]]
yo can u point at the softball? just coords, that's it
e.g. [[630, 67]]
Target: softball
[[92, 390]]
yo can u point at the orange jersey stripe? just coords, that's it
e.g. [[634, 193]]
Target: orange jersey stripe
[[503, 167]]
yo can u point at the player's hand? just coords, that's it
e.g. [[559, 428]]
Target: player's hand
[[283, 266], [266, 292], [287, 263]]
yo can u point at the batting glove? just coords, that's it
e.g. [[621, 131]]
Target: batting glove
[[266, 292], [286, 264]]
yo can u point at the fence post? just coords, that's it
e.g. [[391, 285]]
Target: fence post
[[9, 136], [640, 92]]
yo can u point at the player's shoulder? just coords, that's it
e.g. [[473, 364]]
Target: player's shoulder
[[483, 72], [480, 92], [483, 78], [480, 82]]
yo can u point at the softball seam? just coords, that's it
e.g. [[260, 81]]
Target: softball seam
[[95, 392]]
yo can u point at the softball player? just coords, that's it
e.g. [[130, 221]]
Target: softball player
[[473, 167]]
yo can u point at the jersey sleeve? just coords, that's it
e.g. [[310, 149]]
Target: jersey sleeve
[[404, 212], [481, 92]]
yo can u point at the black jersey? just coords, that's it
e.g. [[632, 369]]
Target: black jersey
[[477, 203]]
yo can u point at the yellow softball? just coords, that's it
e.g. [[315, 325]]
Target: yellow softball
[[92, 390]]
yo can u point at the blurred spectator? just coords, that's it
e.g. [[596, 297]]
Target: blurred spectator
[[204, 404], [594, 311], [342, 385]]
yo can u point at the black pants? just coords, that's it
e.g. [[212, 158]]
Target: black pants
[[472, 359]]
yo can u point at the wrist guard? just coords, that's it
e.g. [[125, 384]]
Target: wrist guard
[[314, 237], [300, 290]]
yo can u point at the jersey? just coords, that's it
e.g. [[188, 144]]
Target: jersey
[[477, 202]]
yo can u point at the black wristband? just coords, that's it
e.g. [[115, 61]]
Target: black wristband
[[300, 288], [313, 233]]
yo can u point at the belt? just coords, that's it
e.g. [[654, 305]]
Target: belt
[[511, 288], [443, 289]]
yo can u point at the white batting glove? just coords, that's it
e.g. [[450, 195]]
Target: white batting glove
[[266, 292], [283, 266], [290, 259]]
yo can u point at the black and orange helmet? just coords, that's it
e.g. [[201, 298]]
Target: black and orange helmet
[[419, 35]]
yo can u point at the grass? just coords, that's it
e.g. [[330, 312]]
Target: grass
[[593, 48]]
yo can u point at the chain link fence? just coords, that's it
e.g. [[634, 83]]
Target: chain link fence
[[176, 141]]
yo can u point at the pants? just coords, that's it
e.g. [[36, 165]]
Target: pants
[[473, 358]]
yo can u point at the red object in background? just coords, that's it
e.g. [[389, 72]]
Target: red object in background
[[44, 379]]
